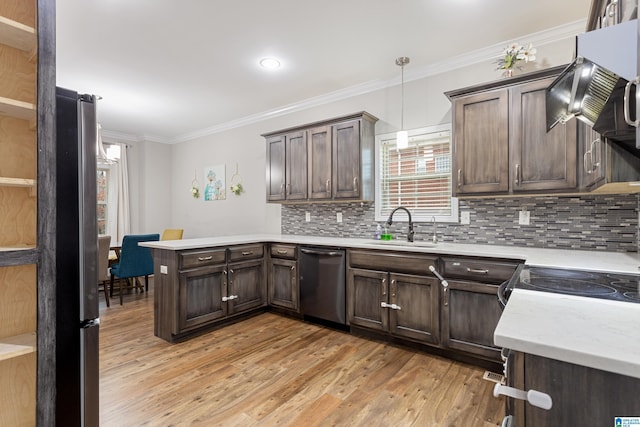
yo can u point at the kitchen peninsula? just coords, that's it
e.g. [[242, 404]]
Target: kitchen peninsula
[[194, 279]]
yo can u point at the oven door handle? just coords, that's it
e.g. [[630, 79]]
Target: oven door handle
[[502, 289]]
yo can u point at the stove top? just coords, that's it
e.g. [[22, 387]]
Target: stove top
[[612, 286]]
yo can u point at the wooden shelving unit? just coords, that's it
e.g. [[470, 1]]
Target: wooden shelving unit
[[17, 35], [17, 345], [18, 224]]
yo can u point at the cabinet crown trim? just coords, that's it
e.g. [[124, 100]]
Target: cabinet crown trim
[[361, 114]]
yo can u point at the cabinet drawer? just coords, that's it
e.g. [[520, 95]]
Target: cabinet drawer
[[283, 251], [190, 259], [399, 262], [240, 253], [479, 270]]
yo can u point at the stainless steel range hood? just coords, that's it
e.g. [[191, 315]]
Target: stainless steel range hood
[[592, 87]]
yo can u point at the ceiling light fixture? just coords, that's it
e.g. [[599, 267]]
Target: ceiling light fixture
[[402, 136], [270, 63]]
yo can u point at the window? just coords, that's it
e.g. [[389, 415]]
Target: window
[[107, 190], [417, 177]]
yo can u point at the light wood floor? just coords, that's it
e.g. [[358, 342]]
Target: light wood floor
[[271, 370]]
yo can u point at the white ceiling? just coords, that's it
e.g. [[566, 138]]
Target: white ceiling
[[167, 69]]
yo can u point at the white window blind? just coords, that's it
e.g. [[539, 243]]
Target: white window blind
[[417, 177]]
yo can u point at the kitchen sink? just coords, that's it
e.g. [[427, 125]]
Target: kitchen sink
[[419, 244]]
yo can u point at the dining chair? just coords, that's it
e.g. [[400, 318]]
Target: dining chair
[[172, 234], [104, 242], [135, 261]]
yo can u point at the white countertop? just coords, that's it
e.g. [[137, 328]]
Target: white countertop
[[591, 332], [618, 262]]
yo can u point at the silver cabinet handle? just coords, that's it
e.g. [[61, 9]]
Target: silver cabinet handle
[[205, 258], [611, 12], [587, 157], [247, 253], [478, 271], [328, 186], [355, 183], [593, 152], [289, 189], [282, 188], [282, 251], [293, 267], [517, 174], [384, 286], [459, 178], [627, 106], [391, 306], [229, 298]]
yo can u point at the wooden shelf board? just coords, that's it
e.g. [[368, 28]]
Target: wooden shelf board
[[17, 182], [15, 248], [17, 35], [18, 109], [18, 345]]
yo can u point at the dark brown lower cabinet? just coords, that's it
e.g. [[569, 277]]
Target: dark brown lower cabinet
[[246, 289], [201, 291], [470, 314], [283, 284], [196, 289], [402, 304], [581, 396]]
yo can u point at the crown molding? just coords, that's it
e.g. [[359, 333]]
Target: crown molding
[[477, 56]]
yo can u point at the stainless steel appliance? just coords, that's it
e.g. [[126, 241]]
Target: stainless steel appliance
[[322, 284], [77, 321], [598, 87]]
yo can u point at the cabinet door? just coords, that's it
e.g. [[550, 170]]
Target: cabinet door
[[581, 396], [276, 168], [540, 160], [416, 314], [470, 314], [201, 291], [296, 166], [346, 159], [481, 143], [366, 289], [283, 284], [247, 286], [320, 162], [591, 156]]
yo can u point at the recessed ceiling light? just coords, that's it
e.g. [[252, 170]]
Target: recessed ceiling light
[[270, 63]]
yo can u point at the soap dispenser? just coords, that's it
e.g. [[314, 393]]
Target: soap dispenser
[[378, 232]]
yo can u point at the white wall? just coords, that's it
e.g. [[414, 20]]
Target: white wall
[[150, 178], [161, 187]]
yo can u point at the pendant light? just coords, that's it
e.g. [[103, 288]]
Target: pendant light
[[402, 137], [101, 154]]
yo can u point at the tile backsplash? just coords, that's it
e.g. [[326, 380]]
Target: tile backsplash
[[594, 222]]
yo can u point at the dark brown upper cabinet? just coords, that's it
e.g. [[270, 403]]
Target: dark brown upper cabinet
[[328, 160], [501, 144]]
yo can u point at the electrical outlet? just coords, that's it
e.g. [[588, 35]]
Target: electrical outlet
[[163, 269], [524, 218], [307, 216], [339, 216], [465, 217]]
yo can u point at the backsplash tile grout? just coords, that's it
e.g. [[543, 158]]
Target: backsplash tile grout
[[590, 222]]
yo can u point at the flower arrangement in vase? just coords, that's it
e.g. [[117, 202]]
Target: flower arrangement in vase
[[513, 55]]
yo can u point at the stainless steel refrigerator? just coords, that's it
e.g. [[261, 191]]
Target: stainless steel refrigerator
[[77, 321]]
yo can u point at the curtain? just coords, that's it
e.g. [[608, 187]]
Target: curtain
[[123, 220]]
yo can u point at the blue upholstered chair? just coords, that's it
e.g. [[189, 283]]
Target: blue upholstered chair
[[135, 261]]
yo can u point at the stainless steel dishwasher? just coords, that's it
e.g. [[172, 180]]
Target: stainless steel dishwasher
[[322, 284]]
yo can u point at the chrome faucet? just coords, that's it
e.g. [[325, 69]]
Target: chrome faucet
[[390, 221], [435, 230]]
